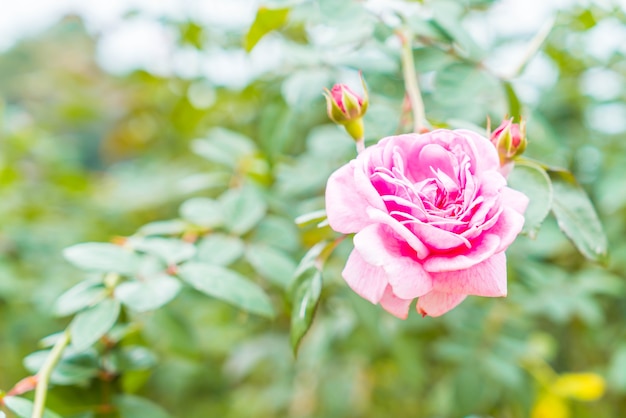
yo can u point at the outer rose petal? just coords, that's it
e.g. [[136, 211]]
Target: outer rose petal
[[483, 248], [378, 247], [366, 280], [485, 279], [438, 303], [395, 305], [348, 195], [514, 199], [507, 227]]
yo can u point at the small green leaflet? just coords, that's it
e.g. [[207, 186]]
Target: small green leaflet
[[266, 20], [90, 325], [532, 180], [577, 217], [23, 407], [227, 285], [130, 406], [100, 256], [306, 297]]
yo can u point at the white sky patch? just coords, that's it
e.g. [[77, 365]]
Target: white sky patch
[[602, 84], [609, 118], [137, 43]]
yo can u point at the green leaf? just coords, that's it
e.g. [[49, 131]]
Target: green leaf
[[130, 406], [82, 295], [266, 20], [220, 249], [577, 217], [90, 325], [311, 217], [228, 286], [171, 227], [74, 368], [23, 407], [532, 180], [245, 208], [170, 250], [306, 297], [302, 88], [148, 294], [224, 147], [447, 15], [99, 256], [132, 358], [277, 232], [203, 212], [515, 106], [271, 263]]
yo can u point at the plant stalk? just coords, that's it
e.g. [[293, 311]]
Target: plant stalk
[[420, 124], [41, 390]]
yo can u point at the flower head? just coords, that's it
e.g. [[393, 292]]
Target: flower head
[[347, 108], [432, 216]]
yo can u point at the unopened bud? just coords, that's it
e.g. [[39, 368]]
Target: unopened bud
[[347, 108], [509, 139]]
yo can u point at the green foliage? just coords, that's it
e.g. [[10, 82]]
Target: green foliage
[[185, 186], [577, 217], [23, 408], [228, 286], [90, 325], [532, 180], [266, 21]]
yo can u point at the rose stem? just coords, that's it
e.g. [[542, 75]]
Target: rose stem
[[46, 371], [411, 84], [360, 145]]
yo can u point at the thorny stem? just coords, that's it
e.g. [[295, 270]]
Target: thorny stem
[[41, 390], [420, 124]]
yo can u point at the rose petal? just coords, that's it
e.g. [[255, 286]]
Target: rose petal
[[482, 152], [438, 303], [514, 199], [395, 305], [507, 227], [378, 247], [482, 248], [347, 198], [381, 217], [485, 279], [437, 238], [431, 156], [366, 280]]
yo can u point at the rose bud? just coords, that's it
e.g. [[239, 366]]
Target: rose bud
[[509, 139], [347, 108]]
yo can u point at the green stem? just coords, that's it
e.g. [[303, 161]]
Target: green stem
[[41, 390], [360, 145], [420, 123]]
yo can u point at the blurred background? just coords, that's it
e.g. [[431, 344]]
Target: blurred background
[[101, 108]]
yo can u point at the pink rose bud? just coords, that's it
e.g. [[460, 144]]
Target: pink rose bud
[[347, 108], [509, 139]]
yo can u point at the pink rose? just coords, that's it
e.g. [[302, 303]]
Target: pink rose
[[432, 217]]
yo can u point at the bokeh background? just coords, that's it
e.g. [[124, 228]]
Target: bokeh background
[[101, 108]]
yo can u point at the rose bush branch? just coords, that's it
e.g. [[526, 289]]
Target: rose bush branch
[[43, 377], [420, 123]]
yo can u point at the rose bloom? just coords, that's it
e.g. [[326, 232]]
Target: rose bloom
[[432, 217]]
